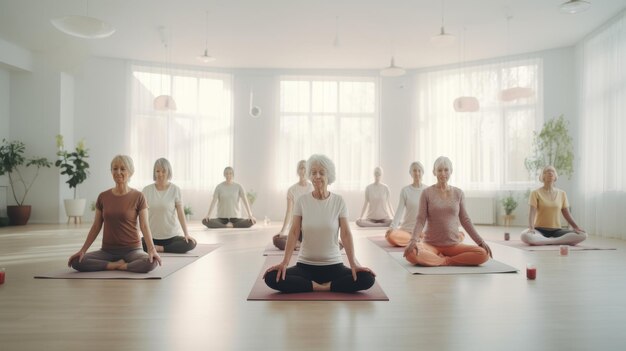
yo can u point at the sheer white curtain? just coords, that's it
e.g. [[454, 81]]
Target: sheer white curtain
[[603, 130], [335, 116], [196, 138], [487, 147]]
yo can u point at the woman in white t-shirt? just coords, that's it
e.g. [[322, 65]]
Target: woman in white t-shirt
[[379, 211], [227, 196], [166, 212], [303, 186], [319, 214], [399, 233]]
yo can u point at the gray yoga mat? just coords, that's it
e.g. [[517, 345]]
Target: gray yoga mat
[[169, 265], [518, 244], [491, 266]]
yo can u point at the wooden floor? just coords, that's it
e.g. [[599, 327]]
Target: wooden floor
[[577, 302]]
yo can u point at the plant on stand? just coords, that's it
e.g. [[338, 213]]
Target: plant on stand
[[73, 165], [552, 146], [509, 203], [11, 160]]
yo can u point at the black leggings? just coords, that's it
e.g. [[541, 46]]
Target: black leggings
[[299, 278], [176, 244], [552, 232], [222, 222]]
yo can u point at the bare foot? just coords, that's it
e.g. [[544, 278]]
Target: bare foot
[[321, 287], [111, 266], [159, 248]]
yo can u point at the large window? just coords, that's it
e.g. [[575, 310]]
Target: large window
[[487, 147], [337, 117], [196, 138]]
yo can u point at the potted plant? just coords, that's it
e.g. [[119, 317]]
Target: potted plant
[[188, 212], [509, 203], [552, 146], [251, 195], [11, 160], [73, 165]]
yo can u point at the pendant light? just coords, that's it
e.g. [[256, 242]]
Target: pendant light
[[255, 111], [164, 102], [392, 70], [206, 58], [574, 6], [464, 103], [85, 27], [443, 38], [515, 92]]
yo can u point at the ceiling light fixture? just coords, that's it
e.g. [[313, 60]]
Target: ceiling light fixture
[[464, 103], [392, 70], [206, 58], [575, 6], [515, 92], [83, 26], [442, 39], [164, 102]]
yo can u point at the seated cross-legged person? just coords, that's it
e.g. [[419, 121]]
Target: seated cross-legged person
[[379, 212], [227, 196], [166, 214], [441, 208], [320, 215], [303, 186], [399, 233], [118, 210], [546, 204]]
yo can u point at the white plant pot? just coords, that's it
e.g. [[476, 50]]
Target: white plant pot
[[75, 207]]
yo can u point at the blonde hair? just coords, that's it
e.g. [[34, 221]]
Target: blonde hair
[[556, 174], [126, 161]]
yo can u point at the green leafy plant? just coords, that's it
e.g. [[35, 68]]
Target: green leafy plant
[[92, 206], [188, 210], [11, 160], [251, 195], [73, 163], [509, 203], [552, 146]]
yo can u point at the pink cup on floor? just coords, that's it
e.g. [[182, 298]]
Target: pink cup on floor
[[531, 272], [564, 250]]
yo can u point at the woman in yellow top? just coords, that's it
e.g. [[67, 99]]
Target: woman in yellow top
[[544, 224]]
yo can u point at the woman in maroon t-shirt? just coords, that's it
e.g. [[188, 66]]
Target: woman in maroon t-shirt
[[118, 210]]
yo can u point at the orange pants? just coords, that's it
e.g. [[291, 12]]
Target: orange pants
[[399, 237], [456, 255]]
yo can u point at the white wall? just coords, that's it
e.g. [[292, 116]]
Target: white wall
[[5, 114], [101, 110]]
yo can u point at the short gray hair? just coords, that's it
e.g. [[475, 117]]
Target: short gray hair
[[227, 168], [165, 164], [442, 160], [325, 162], [556, 174], [419, 166], [126, 161]]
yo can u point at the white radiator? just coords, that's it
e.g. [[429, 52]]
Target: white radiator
[[481, 210]]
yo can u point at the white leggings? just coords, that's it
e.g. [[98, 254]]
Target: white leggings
[[537, 238]]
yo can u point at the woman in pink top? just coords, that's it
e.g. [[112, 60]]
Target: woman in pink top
[[544, 225], [118, 210], [441, 209]]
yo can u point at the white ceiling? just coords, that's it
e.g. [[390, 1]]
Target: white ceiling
[[300, 33]]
